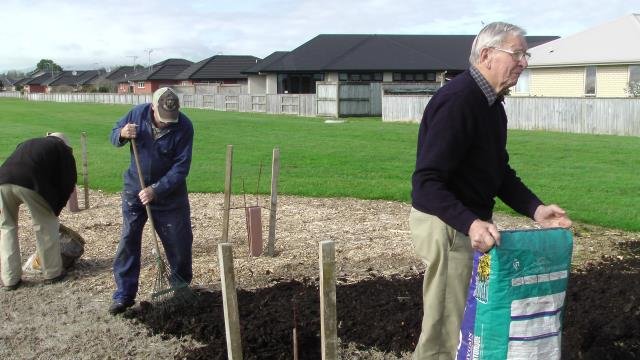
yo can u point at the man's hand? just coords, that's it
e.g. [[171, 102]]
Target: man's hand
[[551, 216], [128, 131], [483, 235], [146, 195]]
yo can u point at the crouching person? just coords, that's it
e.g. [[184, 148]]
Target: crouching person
[[40, 173]]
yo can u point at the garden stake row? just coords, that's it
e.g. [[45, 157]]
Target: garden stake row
[[328, 313], [252, 213]]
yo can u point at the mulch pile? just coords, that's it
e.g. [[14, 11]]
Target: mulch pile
[[602, 315]]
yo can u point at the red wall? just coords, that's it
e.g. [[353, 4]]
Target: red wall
[[37, 89]]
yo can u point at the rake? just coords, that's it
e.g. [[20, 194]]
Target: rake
[[167, 285]]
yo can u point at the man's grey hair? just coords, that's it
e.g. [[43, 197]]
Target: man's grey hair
[[492, 35]]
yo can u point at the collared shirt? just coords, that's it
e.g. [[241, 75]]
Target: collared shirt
[[487, 90], [158, 132]]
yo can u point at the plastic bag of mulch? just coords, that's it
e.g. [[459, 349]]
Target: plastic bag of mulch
[[516, 297], [71, 249]]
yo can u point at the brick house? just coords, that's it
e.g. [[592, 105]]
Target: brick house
[[164, 73]]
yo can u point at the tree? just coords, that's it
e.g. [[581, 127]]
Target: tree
[[48, 65], [15, 74], [633, 89]]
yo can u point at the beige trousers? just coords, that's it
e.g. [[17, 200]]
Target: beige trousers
[[45, 226], [449, 259]]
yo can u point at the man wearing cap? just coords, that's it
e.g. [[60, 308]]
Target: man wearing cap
[[40, 173], [164, 140]]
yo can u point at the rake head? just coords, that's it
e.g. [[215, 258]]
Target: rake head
[[169, 289]]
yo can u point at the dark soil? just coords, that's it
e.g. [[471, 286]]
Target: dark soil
[[601, 321]]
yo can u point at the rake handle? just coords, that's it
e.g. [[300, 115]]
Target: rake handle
[[142, 186]]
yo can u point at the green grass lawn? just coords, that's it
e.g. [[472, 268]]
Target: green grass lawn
[[594, 177]]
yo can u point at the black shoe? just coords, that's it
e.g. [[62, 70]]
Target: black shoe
[[12, 287], [56, 279], [118, 307]]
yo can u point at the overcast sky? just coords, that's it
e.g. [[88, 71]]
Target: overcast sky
[[80, 34]]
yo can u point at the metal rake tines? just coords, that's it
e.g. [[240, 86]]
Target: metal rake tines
[[170, 288]]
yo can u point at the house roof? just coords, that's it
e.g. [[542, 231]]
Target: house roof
[[256, 68], [44, 79], [122, 73], [75, 78], [348, 52], [22, 81], [219, 67], [6, 82], [602, 44], [164, 70]]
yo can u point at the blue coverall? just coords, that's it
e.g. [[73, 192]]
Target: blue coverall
[[165, 164]]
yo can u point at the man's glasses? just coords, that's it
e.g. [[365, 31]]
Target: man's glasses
[[516, 55]]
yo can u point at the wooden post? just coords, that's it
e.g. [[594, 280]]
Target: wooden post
[[227, 194], [230, 302], [328, 313], [275, 173], [72, 202], [85, 169]]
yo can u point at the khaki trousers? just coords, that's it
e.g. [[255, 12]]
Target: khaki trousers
[[449, 259], [45, 226]]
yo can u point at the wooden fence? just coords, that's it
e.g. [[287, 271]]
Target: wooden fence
[[613, 116], [349, 99], [12, 94], [293, 104]]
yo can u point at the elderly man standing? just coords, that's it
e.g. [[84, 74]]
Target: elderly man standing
[[461, 166], [40, 173], [164, 139]]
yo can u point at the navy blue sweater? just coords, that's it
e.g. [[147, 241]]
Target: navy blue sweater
[[462, 162]]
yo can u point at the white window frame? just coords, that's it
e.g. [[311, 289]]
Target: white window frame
[[140, 84]]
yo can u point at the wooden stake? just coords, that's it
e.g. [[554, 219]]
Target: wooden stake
[[85, 169], [275, 173], [230, 302], [72, 202], [227, 194], [328, 314]]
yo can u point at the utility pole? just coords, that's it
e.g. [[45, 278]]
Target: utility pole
[[149, 51], [134, 61]]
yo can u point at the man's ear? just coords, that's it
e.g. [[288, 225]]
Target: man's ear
[[485, 57]]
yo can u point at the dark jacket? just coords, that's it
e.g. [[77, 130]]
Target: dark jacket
[[462, 163], [45, 165], [165, 162]]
